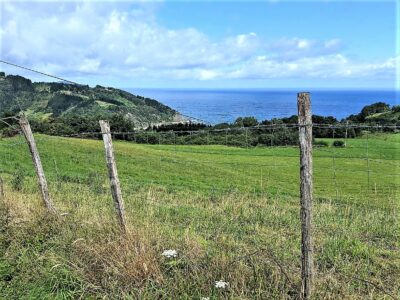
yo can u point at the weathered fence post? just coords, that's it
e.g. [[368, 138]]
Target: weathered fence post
[[26, 129], [113, 174], [306, 190]]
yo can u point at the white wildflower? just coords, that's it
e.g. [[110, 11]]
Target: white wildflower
[[170, 253], [205, 298], [221, 284]]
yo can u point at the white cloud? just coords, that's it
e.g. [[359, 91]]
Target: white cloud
[[303, 44], [125, 41], [328, 66], [90, 65]]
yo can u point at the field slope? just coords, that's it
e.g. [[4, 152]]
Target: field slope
[[231, 213]]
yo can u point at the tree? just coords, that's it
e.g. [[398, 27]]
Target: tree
[[375, 108], [246, 122]]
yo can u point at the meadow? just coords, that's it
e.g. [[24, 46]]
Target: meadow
[[231, 213]]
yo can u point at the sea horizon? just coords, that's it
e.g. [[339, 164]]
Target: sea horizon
[[222, 105], [265, 88]]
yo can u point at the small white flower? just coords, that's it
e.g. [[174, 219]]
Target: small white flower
[[170, 253], [221, 284], [205, 298]]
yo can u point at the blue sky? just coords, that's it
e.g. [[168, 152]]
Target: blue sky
[[367, 28], [208, 44]]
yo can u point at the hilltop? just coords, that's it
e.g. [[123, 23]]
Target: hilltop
[[51, 105]]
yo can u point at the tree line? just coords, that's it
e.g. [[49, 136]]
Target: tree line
[[243, 132]]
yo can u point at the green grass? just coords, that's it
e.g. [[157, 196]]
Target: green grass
[[232, 214]]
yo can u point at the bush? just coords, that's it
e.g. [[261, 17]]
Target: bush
[[246, 122], [266, 139], [321, 144], [338, 143]]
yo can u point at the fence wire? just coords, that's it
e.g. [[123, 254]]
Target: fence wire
[[365, 167]]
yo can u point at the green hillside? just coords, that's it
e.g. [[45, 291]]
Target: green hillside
[[48, 103], [231, 213]]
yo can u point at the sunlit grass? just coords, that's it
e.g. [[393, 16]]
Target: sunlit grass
[[232, 214]]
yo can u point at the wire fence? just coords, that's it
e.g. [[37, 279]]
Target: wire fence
[[366, 166], [359, 176], [356, 174]]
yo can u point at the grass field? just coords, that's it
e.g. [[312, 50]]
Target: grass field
[[231, 213]]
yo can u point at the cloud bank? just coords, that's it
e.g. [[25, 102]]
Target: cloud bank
[[126, 41]]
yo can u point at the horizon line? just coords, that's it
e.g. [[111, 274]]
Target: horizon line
[[269, 88]]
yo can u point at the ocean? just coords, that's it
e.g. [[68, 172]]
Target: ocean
[[217, 106]]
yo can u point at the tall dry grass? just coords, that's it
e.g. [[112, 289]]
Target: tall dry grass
[[251, 242]]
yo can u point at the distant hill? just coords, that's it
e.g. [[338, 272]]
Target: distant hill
[[63, 109], [377, 113], [48, 104]]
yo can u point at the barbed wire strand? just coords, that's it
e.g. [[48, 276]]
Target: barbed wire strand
[[39, 72]]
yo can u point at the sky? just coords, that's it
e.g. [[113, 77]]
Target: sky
[[209, 44]]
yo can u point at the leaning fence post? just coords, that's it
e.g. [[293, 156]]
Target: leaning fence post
[[26, 129], [306, 190], [113, 174]]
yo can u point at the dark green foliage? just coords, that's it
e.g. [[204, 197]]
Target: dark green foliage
[[289, 120], [68, 124], [57, 86], [239, 137], [378, 107], [245, 122], [222, 126], [324, 120], [180, 127], [60, 108], [153, 103], [338, 143], [61, 102], [245, 132], [20, 83], [368, 111]]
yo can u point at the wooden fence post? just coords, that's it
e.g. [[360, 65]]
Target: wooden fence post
[[26, 129], [306, 191], [113, 174]]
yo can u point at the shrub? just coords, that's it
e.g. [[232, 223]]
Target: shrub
[[152, 139], [338, 143], [266, 139], [246, 122]]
